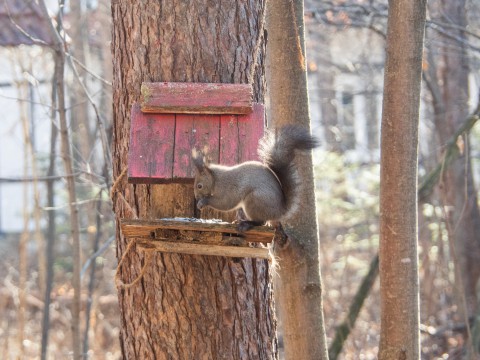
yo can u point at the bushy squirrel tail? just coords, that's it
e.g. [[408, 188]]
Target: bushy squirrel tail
[[277, 151]]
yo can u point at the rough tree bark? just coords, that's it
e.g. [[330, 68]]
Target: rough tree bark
[[450, 110], [299, 293], [186, 307], [398, 266]]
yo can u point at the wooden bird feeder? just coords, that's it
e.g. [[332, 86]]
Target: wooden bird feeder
[[174, 118], [171, 120]]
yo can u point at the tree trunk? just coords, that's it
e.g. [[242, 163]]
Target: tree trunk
[[459, 194], [51, 230], [80, 121], [399, 337], [299, 293], [186, 307]]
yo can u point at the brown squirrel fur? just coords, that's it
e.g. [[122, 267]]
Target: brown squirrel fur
[[265, 191]]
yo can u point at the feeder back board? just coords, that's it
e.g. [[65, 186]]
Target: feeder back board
[[174, 118]]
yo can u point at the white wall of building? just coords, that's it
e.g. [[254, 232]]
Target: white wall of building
[[30, 66]]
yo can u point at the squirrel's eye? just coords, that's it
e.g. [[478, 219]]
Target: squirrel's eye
[[199, 186]]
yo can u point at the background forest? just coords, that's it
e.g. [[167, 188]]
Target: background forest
[[345, 58]]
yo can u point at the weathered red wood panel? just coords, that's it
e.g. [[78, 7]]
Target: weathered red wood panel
[[239, 136], [161, 144], [194, 131], [251, 129], [196, 98], [150, 156], [229, 140]]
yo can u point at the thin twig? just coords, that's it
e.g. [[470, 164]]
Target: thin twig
[[98, 77], [40, 178], [96, 254], [458, 39], [100, 123], [80, 202], [34, 40]]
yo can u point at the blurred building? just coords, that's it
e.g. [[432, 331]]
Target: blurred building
[[345, 88], [25, 73], [346, 55]]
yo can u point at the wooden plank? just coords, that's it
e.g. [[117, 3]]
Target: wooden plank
[[199, 237], [229, 141], [161, 144], [194, 131], [239, 136], [150, 156], [251, 129], [196, 98], [199, 249], [144, 228]]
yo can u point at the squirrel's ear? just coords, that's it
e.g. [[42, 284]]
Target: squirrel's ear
[[197, 158]]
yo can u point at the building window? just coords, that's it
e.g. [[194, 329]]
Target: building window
[[346, 120], [373, 121], [92, 4]]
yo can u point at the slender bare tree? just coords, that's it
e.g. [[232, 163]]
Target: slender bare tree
[[299, 293], [398, 181]]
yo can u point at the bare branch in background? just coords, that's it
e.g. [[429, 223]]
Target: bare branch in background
[[51, 228], [59, 56], [32, 38], [98, 77]]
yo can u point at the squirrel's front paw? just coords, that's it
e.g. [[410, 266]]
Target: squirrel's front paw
[[201, 203]]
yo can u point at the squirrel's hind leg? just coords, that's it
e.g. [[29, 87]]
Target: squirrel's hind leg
[[245, 225], [240, 216]]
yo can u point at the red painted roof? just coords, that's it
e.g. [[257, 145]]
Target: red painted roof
[[21, 22]]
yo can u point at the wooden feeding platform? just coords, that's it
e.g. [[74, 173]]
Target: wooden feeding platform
[[199, 237]]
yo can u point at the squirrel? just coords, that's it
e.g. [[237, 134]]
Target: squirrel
[[262, 192]]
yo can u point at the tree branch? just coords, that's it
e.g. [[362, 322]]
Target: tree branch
[[344, 329], [451, 153], [40, 178]]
